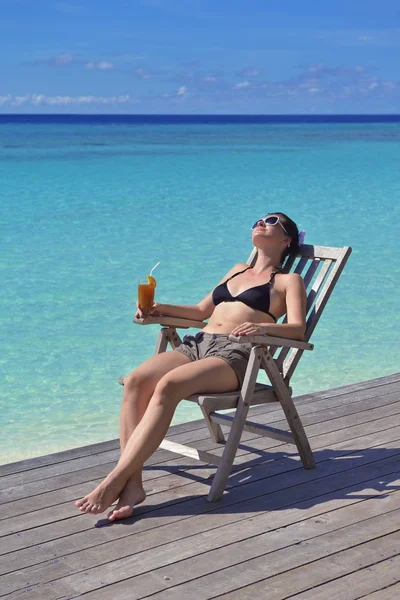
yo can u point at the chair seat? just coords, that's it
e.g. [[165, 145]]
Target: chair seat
[[261, 395]]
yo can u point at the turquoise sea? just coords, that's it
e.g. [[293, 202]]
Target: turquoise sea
[[89, 205]]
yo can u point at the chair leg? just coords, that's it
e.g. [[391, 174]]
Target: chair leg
[[167, 335], [214, 429], [232, 443], [162, 341], [292, 416]]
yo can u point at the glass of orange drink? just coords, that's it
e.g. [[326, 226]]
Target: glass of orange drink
[[146, 291]]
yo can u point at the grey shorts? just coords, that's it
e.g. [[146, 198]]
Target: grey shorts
[[204, 345]]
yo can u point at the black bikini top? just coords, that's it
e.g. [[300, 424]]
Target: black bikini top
[[257, 297]]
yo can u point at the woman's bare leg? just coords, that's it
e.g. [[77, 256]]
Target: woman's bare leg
[[206, 375], [138, 389]]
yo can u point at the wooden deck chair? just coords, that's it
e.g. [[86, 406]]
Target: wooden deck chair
[[320, 268]]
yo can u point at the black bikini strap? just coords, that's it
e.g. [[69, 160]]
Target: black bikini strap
[[273, 275], [238, 273]]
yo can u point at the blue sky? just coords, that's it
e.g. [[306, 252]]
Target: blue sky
[[200, 56]]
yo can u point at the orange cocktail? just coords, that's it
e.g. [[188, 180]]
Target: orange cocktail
[[146, 293]]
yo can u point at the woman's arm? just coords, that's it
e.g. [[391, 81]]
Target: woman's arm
[[198, 312], [296, 302]]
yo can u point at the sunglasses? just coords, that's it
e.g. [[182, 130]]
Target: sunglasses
[[271, 220]]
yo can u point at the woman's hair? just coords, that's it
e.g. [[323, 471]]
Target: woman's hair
[[292, 231]]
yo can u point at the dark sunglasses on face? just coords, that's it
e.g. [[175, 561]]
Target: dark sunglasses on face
[[271, 220]]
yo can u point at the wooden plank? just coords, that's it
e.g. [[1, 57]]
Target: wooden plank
[[388, 593], [42, 485], [355, 585], [65, 510], [69, 491], [193, 545], [370, 577], [252, 504], [55, 482], [275, 501], [259, 472], [86, 540], [325, 428], [242, 562], [173, 529]]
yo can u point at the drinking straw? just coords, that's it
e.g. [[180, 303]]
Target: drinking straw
[[154, 268]]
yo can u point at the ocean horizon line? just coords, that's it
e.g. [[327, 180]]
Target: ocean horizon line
[[234, 118]]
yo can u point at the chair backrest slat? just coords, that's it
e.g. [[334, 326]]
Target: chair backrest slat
[[299, 268], [313, 293], [311, 272], [322, 266]]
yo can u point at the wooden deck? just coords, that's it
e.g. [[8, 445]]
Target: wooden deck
[[279, 531]]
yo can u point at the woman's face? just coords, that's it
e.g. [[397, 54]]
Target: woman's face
[[273, 233]]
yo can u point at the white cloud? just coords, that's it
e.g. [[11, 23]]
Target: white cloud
[[41, 99], [241, 85], [64, 59], [182, 90], [249, 72], [18, 100], [314, 68], [143, 73], [68, 60], [5, 99], [102, 65]]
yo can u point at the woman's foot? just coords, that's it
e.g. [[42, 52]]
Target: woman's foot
[[132, 495], [102, 497]]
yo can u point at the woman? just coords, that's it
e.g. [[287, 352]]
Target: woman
[[246, 302]]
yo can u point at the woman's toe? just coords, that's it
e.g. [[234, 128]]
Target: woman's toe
[[122, 512]]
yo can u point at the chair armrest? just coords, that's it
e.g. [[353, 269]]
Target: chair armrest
[[170, 322], [270, 340]]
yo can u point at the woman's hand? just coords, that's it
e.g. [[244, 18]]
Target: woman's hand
[[142, 313], [249, 329]]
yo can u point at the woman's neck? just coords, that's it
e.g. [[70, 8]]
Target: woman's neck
[[266, 262]]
